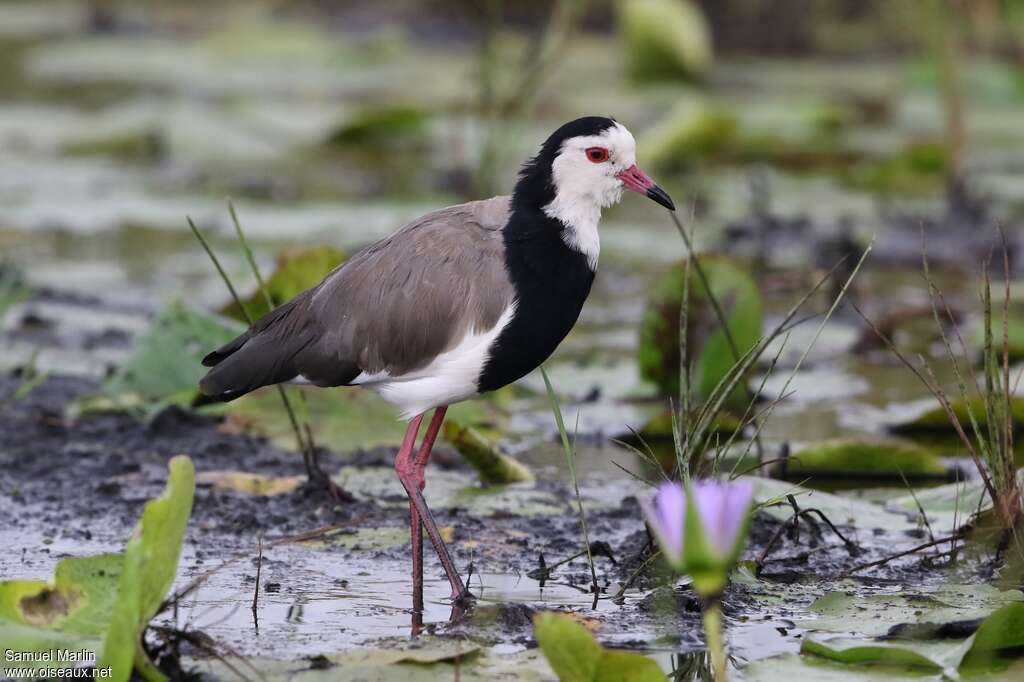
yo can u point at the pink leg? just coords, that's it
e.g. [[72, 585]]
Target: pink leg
[[411, 473]]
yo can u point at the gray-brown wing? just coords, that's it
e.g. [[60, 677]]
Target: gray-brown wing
[[390, 308]]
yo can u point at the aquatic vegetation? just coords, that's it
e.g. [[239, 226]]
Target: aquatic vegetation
[[665, 39], [989, 439], [711, 350], [12, 288], [295, 270], [576, 656], [483, 454], [850, 457], [701, 527], [689, 134], [164, 368], [103, 604]]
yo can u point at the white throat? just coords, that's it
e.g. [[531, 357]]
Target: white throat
[[580, 215]]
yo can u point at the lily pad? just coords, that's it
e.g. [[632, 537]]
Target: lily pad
[[689, 134], [382, 128], [166, 365], [947, 506], [665, 39], [102, 604], [875, 655], [996, 645], [873, 615], [72, 611], [296, 270], [576, 656], [936, 422], [865, 458], [999, 640]]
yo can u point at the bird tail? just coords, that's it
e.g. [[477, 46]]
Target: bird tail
[[263, 355]]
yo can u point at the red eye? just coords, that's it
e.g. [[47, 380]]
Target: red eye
[[597, 154]]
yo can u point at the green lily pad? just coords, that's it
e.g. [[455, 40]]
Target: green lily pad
[[947, 506], [689, 134], [861, 457], [71, 612], [936, 422], [665, 39], [382, 128], [576, 656], [873, 615], [708, 349], [875, 655], [102, 604], [447, 489], [997, 645], [421, 660], [998, 641], [166, 365], [1014, 333], [790, 667], [150, 565], [296, 270]]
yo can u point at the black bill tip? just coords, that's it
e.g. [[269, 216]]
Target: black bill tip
[[661, 196]]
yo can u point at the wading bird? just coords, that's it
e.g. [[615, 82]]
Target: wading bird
[[462, 301]]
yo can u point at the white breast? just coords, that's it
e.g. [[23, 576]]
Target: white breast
[[450, 377]]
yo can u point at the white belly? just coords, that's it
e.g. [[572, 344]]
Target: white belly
[[451, 377]]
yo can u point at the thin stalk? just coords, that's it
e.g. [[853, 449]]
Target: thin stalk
[[821, 327], [713, 636], [570, 458]]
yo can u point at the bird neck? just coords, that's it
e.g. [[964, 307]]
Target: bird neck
[[539, 211]]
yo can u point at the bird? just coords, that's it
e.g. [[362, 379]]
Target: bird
[[459, 302]]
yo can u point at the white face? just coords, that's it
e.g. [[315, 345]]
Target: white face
[[584, 175], [586, 167]]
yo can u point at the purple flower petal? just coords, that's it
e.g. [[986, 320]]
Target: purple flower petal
[[666, 514], [722, 508]]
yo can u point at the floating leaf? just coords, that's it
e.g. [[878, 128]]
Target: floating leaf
[[380, 128], [875, 614], [150, 565], [71, 612], [936, 421], [576, 656], [999, 639], [880, 655], [690, 133], [665, 39], [342, 419], [166, 365], [864, 457], [101, 604]]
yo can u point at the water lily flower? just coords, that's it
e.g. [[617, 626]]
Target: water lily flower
[[701, 528]]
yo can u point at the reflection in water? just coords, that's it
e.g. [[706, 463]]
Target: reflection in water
[[694, 666]]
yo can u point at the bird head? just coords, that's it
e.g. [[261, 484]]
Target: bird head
[[584, 166]]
